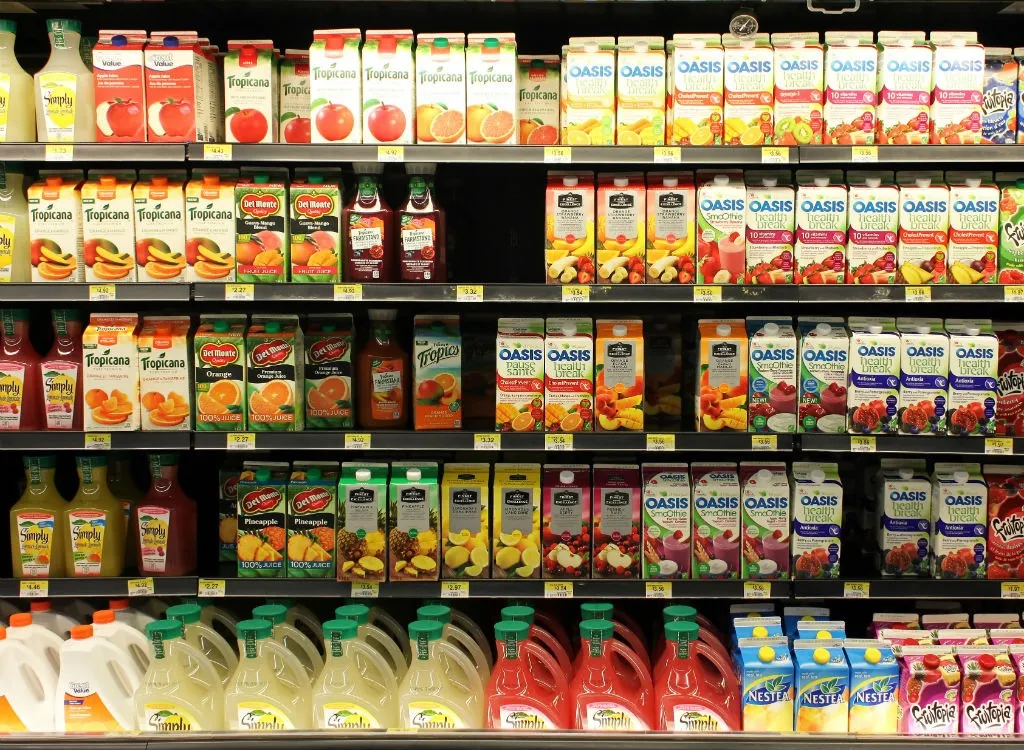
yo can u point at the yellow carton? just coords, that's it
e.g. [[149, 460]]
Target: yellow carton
[[589, 91], [110, 372], [696, 65], [55, 227], [749, 90], [465, 521], [108, 231], [516, 524], [640, 91]]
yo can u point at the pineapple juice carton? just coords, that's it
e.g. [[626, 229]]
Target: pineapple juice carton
[[904, 87], [924, 376], [210, 225], [108, 230], [749, 90], [569, 375], [640, 91], [590, 92], [55, 226], [999, 97], [165, 373], [362, 521], [251, 91], [312, 499], [873, 393], [874, 677], [923, 245], [515, 525], [771, 227], [539, 106], [973, 228], [262, 512], [227, 513], [851, 62], [161, 251], [389, 87], [220, 373], [799, 84], [414, 515], [520, 375], [335, 86], [959, 501], [958, 84], [465, 521], [874, 227], [440, 88], [694, 87], [492, 91], [110, 372], [822, 221]]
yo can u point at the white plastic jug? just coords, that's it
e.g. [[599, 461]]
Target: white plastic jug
[[458, 638], [375, 637], [441, 690], [56, 622], [203, 637], [357, 688], [301, 618], [291, 638], [27, 688], [6, 610], [42, 641], [124, 636], [96, 685], [78, 610], [127, 614]]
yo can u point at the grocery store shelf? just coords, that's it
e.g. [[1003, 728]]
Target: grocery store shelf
[[868, 293], [915, 444], [898, 588], [59, 440], [93, 152], [911, 154], [103, 587], [55, 292]]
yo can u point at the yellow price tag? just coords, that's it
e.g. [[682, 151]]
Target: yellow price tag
[[239, 292], [764, 442], [60, 152], [558, 442], [102, 292], [918, 294], [34, 589], [707, 294], [469, 293], [1007, 590], [853, 590], [658, 590], [862, 444], [1013, 293], [575, 293], [390, 153], [217, 151], [864, 154], [97, 441], [357, 441], [775, 154], [454, 589], [661, 442], [668, 155], [998, 446], [757, 590], [557, 154], [241, 441], [141, 587], [212, 588], [487, 441], [558, 589], [365, 590], [348, 292]]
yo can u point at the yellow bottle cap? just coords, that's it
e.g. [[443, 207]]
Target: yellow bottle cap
[[823, 635], [821, 656], [872, 656], [766, 654], [759, 632]]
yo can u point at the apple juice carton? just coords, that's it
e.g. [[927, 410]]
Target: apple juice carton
[[874, 387], [957, 90], [617, 504], [695, 90], [973, 228], [327, 372], [590, 92], [771, 224], [721, 402], [924, 376], [874, 223], [110, 372], [821, 225], [515, 521], [766, 674], [437, 372], [161, 250], [315, 200], [389, 87], [929, 694], [440, 88], [973, 377], [569, 228], [108, 228], [721, 229], [465, 521], [220, 374], [1005, 553], [362, 521], [667, 521], [904, 87], [671, 228], [765, 498], [619, 375], [119, 83], [539, 83], [772, 378], [335, 86], [262, 513], [312, 500], [999, 97], [262, 247], [165, 373], [799, 86], [988, 694], [716, 521], [749, 90], [851, 62], [274, 387], [924, 228], [414, 521], [640, 91], [55, 227], [569, 375], [904, 522], [817, 519], [251, 91], [959, 499], [177, 105], [874, 679], [822, 687], [492, 90], [824, 358], [621, 221], [519, 393], [293, 123], [565, 525]]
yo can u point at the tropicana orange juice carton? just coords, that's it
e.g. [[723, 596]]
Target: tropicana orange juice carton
[[640, 91], [851, 63], [569, 228], [519, 394], [220, 374], [108, 227], [437, 368], [749, 90], [799, 88], [293, 98], [671, 227], [174, 91], [389, 87], [275, 383], [722, 374], [160, 246], [590, 92], [110, 372], [621, 221], [441, 88], [335, 86], [492, 90], [904, 87], [539, 110], [251, 91], [165, 373], [210, 225], [696, 64], [55, 227], [619, 375], [959, 80], [119, 82]]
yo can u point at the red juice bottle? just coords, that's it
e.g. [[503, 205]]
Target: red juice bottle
[[421, 234], [516, 697], [382, 376], [164, 522], [21, 403], [61, 373], [369, 234], [600, 697], [698, 692]]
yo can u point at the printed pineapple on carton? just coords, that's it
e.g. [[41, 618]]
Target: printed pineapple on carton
[[414, 522], [362, 522], [312, 514], [465, 521], [262, 508]]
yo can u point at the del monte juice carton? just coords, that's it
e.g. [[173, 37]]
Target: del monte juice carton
[[767, 678], [716, 520], [929, 696], [721, 227], [389, 87], [515, 524], [539, 108], [519, 393], [335, 86], [851, 62], [973, 228], [617, 503], [873, 395], [274, 387], [165, 373], [766, 523], [874, 679], [569, 375], [220, 373], [328, 372], [874, 222], [640, 91], [959, 80], [959, 501], [904, 87], [1011, 227], [999, 97], [120, 86], [262, 246], [161, 250], [210, 225], [621, 221], [667, 521], [822, 687], [671, 227], [821, 224], [312, 514], [437, 372], [924, 375], [722, 371], [589, 92], [824, 358], [315, 200], [177, 105], [771, 223], [988, 693], [262, 510], [973, 372], [904, 522], [55, 227], [565, 524], [492, 91], [749, 90], [569, 228], [110, 372], [440, 88], [799, 88], [695, 94], [108, 227], [817, 520], [362, 522], [1005, 554], [465, 521], [619, 375], [414, 520], [293, 124], [251, 91], [773, 377]]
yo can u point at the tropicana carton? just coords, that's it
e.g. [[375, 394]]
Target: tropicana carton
[[958, 83], [904, 87], [293, 124], [110, 372], [108, 227], [251, 91], [874, 227], [749, 90], [640, 91], [696, 64], [165, 373], [851, 89], [539, 107], [440, 88], [799, 83], [492, 90], [210, 225], [55, 227], [973, 228], [335, 86], [924, 228], [120, 86], [389, 87], [160, 227], [590, 92]]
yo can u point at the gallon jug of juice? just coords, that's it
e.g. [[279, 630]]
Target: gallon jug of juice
[[698, 691], [458, 638], [301, 618], [37, 548], [600, 697], [442, 689], [383, 620], [65, 101], [357, 688], [164, 522], [95, 687], [21, 403], [123, 487], [375, 637], [550, 623], [205, 639], [538, 635], [292, 639], [61, 373], [628, 637], [14, 218], [18, 110], [382, 375], [517, 697], [37, 638], [129, 640], [58, 623], [93, 524], [218, 618], [269, 690], [683, 613], [127, 614], [26, 693]]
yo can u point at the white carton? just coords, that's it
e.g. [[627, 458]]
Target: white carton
[[821, 223], [772, 377], [440, 88], [959, 511], [874, 390], [293, 99], [924, 376], [251, 91], [568, 374], [749, 90], [904, 523], [667, 521], [389, 87], [851, 62], [640, 91], [110, 372], [492, 91], [904, 87], [874, 203], [716, 520], [799, 83], [771, 224], [815, 543], [696, 65], [973, 373], [766, 521], [958, 83], [336, 86], [589, 91], [973, 228], [924, 228], [824, 375]]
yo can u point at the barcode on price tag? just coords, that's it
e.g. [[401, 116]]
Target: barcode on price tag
[[365, 590], [141, 587], [34, 589], [212, 588], [854, 590], [658, 590], [558, 589], [757, 590], [454, 589]]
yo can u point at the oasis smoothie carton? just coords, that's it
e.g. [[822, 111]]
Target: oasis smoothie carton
[[110, 372], [437, 372], [312, 515], [220, 375], [362, 521], [619, 375], [569, 375], [621, 221], [721, 402], [414, 521], [210, 225], [617, 521], [388, 107], [988, 693], [929, 694], [516, 521], [823, 380], [1011, 227], [519, 390], [874, 679], [315, 202], [667, 521], [766, 683], [799, 88], [821, 224], [465, 521], [327, 355], [873, 394], [671, 227], [440, 88], [539, 107], [974, 377], [973, 228], [822, 699], [716, 520], [923, 245], [772, 377], [904, 87], [492, 91], [771, 223], [874, 223], [335, 86], [262, 512], [589, 91], [1010, 383], [904, 522], [640, 91], [293, 124], [749, 88], [765, 497], [959, 500], [262, 243], [1005, 554], [924, 376], [161, 250], [695, 90], [108, 231], [957, 87], [721, 228], [274, 383], [851, 98], [251, 91], [565, 526], [569, 228], [999, 97], [55, 226], [165, 373], [817, 519]]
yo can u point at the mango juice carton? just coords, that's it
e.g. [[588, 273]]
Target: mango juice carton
[[851, 62], [822, 687], [440, 88], [793, 616], [161, 250], [973, 228], [721, 229], [312, 517], [771, 226], [262, 513], [874, 679], [749, 90], [55, 227], [1005, 553], [874, 387], [465, 521], [110, 372], [120, 86], [799, 88], [874, 223], [389, 87], [989, 702], [773, 378], [539, 109], [210, 226], [695, 90], [817, 520], [619, 375], [958, 84], [251, 91], [519, 394], [765, 498], [177, 110], [437, 372], [671, 228], [721, 402], [274, 386], [667, 521], [220, 373], [716, 520], [973, 377], [315, 200], [766, 682], [824, 357], [590, 92], [904, 87], [414, 522], [165, 373], [569, 375], [924, 376], [569, 228], [262, 246], [108, 227], [640, 91], [293, 122], [904, 522], [617, 520], [362, 521], [999, 97], [327, 360], [515, 521], [929, 693], [821, 225], [492, 90], [335, 86], [621, 221], [227, 513], [565, 521]]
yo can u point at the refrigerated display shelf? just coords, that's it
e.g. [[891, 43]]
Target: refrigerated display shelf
[[916, 444], [100, 587], [905, 589], [61, 293], [62, 153], [1010, 154], [59, 440]]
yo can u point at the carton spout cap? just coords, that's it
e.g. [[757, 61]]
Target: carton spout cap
[[906, 472], [960, 476], [413, 475], [906, 42], [670, 182], [770, 182], [763, 475], [973, 182], [923, 182], [721, 179], [722, 330], [565, 477], [873, 182], [363, 475], [619, 330], [821, 181], [817, 476], [570, 181], [875, 328], [621, 182], [922, 329], [823, 329], [568, 329], [972, 330], [771, 329]]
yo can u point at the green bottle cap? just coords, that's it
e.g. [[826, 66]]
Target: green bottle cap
[[184, 613], [436, 612], [9, 26], [254, 629], [518, 613], [263, 475], [286, 603], [596, 611], [164, 630], [511, 630], [430, 630], [342, 629], [272, 326], [682, 630], [43, 462], [358, 612], [314, 474], [273, 613], [601, 629], [679, 612], [221, 326]]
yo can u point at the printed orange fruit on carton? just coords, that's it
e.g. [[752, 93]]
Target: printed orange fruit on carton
[[722, 404], [619, 375]]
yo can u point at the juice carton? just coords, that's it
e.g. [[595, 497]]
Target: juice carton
[[817, 520], [177, 105], [161, 250], [799, 88], [55, 226], [621, 221], [766, 680], [757, 625], [894, 620], [1011, 227], [929, 697], [312, 515], [765, 520], [251, 91], [722, 371], [569, 375], [274, 386], [959, 499], [995, 621], [619, 375], [478, 381], [716, 520], [904, 521], [220, 374], [663, 349], [988, 692], [110, 372], [414, 511], [899, 637], [227, 513], [440, 88], [946, 620], [924, 376], [293, 123], [695, 90], [640, 91], [822, 687], [749, 90], [539, 83], [335, 86], [667, 521], [874, 388], [465, 521], [973, 228], [957, 109], [165, 373], [212, 104], [262, 247], [851, 97], [821, 224], [492, 90], [262, 512], [721, 227], [904, 87], [1017, 657], [590, 92], [874, 678], [569, 228], [565, 521], [108, 228], [961, 637], [771, 224], [1005, 552], [210, 226], [515, 524], [362, 521], [327, 371], [315, 227], [793, 616], [824, 357], [820, 630], [973, 371], [437, 372], [671, 227], [1010, 383], [519, 392], [1007, 636], [617, 504], [772, 377], [874, 223], [389, 87], [119, 86], [999, 97]]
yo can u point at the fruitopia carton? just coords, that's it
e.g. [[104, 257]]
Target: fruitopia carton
[[959, 499], [973, 369], [851, 89], [973, 228], [640, 91], [873, 228], [799, 83], [1010, 383], [771, 226], [772, 377], [696, 64], [817, 519], [1005, 556], [874, 679], [924, 375], [988, 693], [1011, 227], [959, 78], [999, 97], [824, 356], [904, 87], [924, 228], [821, 224], [929, 696], [749, 90]]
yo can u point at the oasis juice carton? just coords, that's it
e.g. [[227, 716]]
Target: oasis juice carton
[[671, 228], [414, 522], [716, 521], [465, 521], [437, 372], [440, 88], [388, 107], [988, 693], [362, 522], [904, 521], [315, 203], [251, 91], [177, 105], [1005, 554], [1011, 227], [262, 513], [110, 372], [161, 250], [515, 522], [220, 375], [874, 387], [874, 223], [974, 377], [165, 373], [999, 97], [589, 92], [519, 391], [721, 227], [824, 358], [695, 90], [312, 515], [749, 90], [569, 375], [617, 520], [55, 227], [874, 679], [274, 386], [851, 62], [565, 524], [1010, 383], [721, 402], [293, 125], [822, 687], [973, 228], [569, 228], [210, 226], [667, 521], [904, 87], [327, 341], [924, 376], [815, 543], [108, 229], [929, 694], [539, 110], [772, 377], [771, 224], [619, 375], [821, 224], [923, 246], [262, 247], [120, 86], [799, 88], [957, 90], [335, 86], [492, 90], [766, 683], [640, 91], [765, 498], [621, 221]]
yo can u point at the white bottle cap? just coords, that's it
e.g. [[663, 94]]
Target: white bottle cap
[[763, 475], [722, 329], [570, 180], [569, 329], [770, 181], [906, 472], [413, 475], [621, 181], [565, 477], [923, 182], [721, 179], [821, 181], [922, 329], [972, 330], [823, 329], [873, 182], [670, 181], [817, 476], [973, 182], [770, 329], [619, 330], [875, 328], [363, 475], [960, 476]]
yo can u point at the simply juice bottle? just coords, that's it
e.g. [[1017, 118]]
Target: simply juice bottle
[[640, 91], [210, 226], [15, 253], [108, 229], [539, 110], [923, 245], [590, 92], [569, 228], [851, 62], [16, 110], [369, 231], [799, 84], [874, 223], [65, 111], [437, 372], [21, 393], [694, 90], [904, 87], [161, 250], [110, 376], [220, 373], [262, 246], [61, 371], [335, 86], [821, 226], [492, 90], [274, 381], [749, 90], [55, 227], [93, 524], [422, 235], [165, 375], [293, 125], [389, 87], [328, 371], [441, 88], [164, 523], [973, 228], [519, 394], [251, 91], [268, 691], [37, 523], [315, 200]]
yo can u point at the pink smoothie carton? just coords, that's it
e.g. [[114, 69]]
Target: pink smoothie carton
[[874, 228], [924, 375], [929, 696], [616, 535], [716, 520], [765, 520], [565, 522], [821, 224], [851, 89], [1006, 635], [799, 84], [923, 244], [1017, 657], [694, 86], [749, 90], [772, 379], [958, 83], [771, 226], [824, 357], [667, 521], [988, 694], [904, 87], [721, 229], [973, 228]]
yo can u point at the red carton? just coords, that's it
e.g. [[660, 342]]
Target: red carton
[[1010, 387], [120, 86], [617, 521], [174, 87], [1005, 555], [565, 526]]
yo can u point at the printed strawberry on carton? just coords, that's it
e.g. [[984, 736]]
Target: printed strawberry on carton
[[1005, 555]]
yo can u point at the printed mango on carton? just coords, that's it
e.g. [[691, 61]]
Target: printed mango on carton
[[619, 375], [722, 399]]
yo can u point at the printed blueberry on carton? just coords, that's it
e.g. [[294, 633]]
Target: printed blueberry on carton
[[874, 388], [817, 520], [959, 500], [904, 523], [973, 377]]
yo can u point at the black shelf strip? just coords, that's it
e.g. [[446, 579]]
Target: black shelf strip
[[900, 588], [916, 444], [45, 292], [103, 587], [60, 440]]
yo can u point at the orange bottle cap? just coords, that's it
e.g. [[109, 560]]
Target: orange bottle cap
[[102, 616], [20, 620], [43, 606], [116, 604], [81, 632]]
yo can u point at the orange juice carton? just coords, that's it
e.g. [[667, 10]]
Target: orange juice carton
[[251, 91], [667, 522], [766, 520], [694, 90], [671, 227], [440, 88], [262, 246], [959, 500], [335, 86], [262, 519], [721, 229], [566, 527], [519, 393], [389, 87], [958, 87], [640, 91], [973, 228], [275, 384], [165, 373], [293, 124], [569, 228], [110, 372], [220, 373], [619, 375], [817, 507], [663, 350], [590, 91], [312, 520], [772, 377], [362, 521], [108, 226], [749, 90], [328, 372], [923, 244], [55, 227], [569, 375], [414, 520], [924, 376], [722, 373], [176, 104], [621, 221], [929, 692], [821, 225], [210, 225], [873, 394], [315, 201], [771, 225], [974, 365], [851, 88], [999, 97], [989, 703], [824, 353], [617, 520], [515, 524], [874, 227], [539, 107], [904, 87], [160, 245], [119, 85], [716, 520], [465, 521], [437, 372], [799, 88], [492, 89]]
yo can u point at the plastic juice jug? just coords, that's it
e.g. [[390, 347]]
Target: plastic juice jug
[[26, 694], [212, 615], [269, 690], [15, 255], [461, 621], [6, 611], [127, 614], [517, 698], [441, 690], [291, 638], [538, 635], [40, 639], [666, 648], [37, 549], [357, 688], [375, 636], [384, 621], [600, 697], [78, 610], [628, 637], [58, 623], [95, 687], [15, 104], [21, 402], [698, 691], [93, 524], [205, 639], [65, 108], [125, 637], [61, 373], [382, 375], [164, 522], [301, 618], [181, 691], [458, 637]]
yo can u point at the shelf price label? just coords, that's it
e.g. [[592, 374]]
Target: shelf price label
[[1013, 293], [998, 446], [558, 442], [357, 441], [239, 292], [707, 294], [775, 154], [917, 294], [59, 152], [212, 588], [391, 153], [668, 155], [864, 154], [658, 590], [557, 154], [469, 293], [852, 590], [454, 589], [757, 590], [241, 441], [34, 589], [97, 441], [365, 590], [487, 441], [764, 442], [665, 442], [558, 589], [102, 292], [1007, 590], [217, 151], [575, 293], [141, 587], [862, 444], [348, 292]]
